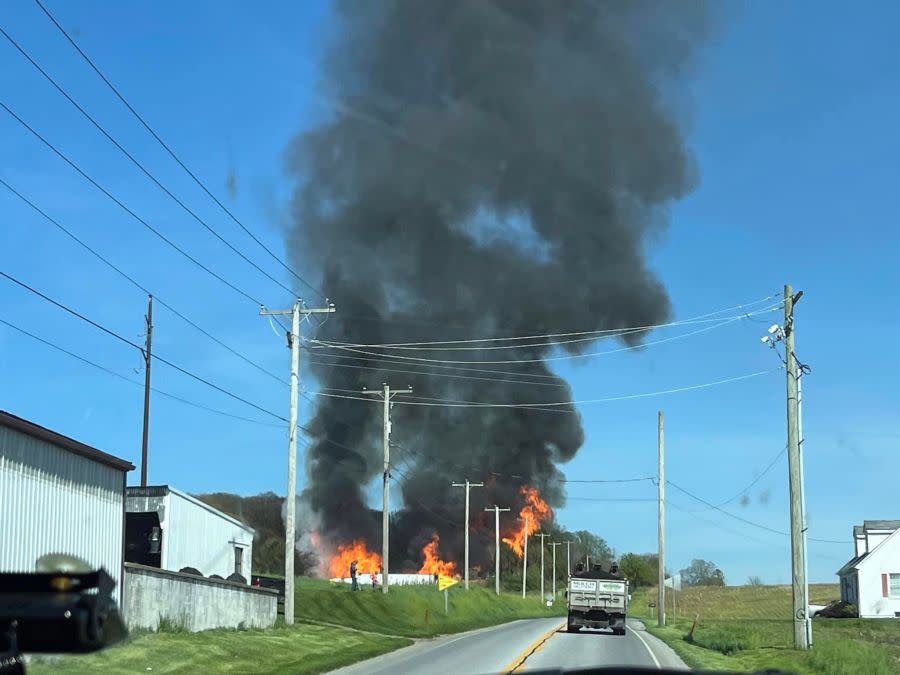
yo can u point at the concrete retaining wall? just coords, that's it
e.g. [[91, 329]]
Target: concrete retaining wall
[[196, 603]]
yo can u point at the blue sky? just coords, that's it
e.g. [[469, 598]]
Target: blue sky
[[792, 123]]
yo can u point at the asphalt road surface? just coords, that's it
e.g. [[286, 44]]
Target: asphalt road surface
[[525, 645]]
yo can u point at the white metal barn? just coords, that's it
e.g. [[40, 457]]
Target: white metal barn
[[871, 579], [170, 529], [58, 495]]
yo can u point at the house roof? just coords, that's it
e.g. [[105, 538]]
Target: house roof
[[851, 565], [77, 447], [859, 531], [881, 525]]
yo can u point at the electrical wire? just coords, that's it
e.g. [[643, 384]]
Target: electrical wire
[[135, 382], [745, 521], [431, 374], [768, 468], [128, 342], [138, 285], [171, 152], [544, 359], [676, 390], [614, 332], [128, 210], [140, 166]]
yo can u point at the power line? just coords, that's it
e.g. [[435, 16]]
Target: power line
[[429, 374], [128, 342], [126, 208], [676, 390], [613, 332], [171, 152], [137, 284], [544, 359], [774, 461], [744, 520], [135, 382], [140, 166]]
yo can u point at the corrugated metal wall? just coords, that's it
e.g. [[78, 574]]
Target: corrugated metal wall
[[194, 536], [54, 501]]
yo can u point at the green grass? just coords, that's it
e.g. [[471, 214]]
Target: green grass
[[742, 629], [413, 611], [302, 648]]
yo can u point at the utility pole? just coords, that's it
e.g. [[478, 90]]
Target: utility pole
[[795, 469], [661, 480], [147, 359], [525, 558], [803, 507], [542, 536], [290, 529], [387, 394], [467, 485], [496, 510], [554, 544], [568, 558]]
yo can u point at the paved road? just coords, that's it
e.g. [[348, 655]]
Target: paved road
[[530, 644]]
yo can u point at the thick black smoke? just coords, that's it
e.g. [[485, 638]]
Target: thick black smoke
[[492, 168]]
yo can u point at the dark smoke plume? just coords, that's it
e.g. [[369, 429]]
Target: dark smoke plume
[[492, 168]]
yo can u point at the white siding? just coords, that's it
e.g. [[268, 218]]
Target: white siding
[[886, 560], [194, 534], [200, 537], [55, 501]]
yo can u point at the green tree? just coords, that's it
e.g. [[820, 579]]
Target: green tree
[[702, 573], [586, 543], [641, 569]]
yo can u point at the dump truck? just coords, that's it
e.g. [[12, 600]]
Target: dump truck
[[597, 598]]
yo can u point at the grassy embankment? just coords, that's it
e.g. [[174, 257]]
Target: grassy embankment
[[308, 646], [739, 628], [414, 611]]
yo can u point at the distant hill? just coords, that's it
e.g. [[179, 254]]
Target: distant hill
[[263, 513]]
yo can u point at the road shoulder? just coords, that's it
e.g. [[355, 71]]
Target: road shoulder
[[663, 655]]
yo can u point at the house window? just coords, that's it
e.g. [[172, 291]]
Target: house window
[[894, 585], [238, 560]]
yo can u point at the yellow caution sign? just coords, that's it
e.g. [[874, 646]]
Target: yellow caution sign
[[446, 582]]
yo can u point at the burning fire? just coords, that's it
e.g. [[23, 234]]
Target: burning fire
[[433, 563], [367, 561], [535, 511]]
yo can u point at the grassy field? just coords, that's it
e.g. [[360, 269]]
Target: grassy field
[[413, 611], [739, 628], [302, 648]]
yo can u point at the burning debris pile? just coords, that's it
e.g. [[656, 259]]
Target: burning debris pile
[[490, 168]]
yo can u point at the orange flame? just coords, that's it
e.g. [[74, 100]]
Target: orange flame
[[367, 562], [433, 563], [535, 512]]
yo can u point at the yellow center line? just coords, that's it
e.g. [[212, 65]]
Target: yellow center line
[[519, 661]]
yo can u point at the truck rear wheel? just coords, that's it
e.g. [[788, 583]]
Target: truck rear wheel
[[571, 627]]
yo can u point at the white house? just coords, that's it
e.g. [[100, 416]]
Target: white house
[[871, 579], [171, 530]]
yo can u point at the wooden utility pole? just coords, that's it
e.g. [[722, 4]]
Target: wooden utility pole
[[554, 544], [290, 528], [798, 550], [542, 536], [661, 481], [387, 394], [525, 558], [467, 485], [148, 354], [496, 510]]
